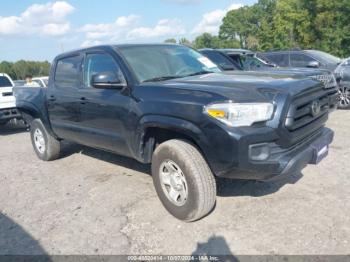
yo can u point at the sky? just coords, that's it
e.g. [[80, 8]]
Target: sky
[[40, 30]]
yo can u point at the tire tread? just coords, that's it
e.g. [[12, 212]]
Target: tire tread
[[203, 176], [53, 146]]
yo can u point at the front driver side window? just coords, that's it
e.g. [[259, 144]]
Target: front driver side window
[[99, 64]]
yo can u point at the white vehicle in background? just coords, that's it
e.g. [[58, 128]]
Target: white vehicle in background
[[42, 81], [19, 82], [8, 109]]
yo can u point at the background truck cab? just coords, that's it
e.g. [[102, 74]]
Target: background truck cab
[[8, 109]]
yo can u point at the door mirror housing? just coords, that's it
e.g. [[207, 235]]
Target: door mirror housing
[[107, 80], [314, 64]]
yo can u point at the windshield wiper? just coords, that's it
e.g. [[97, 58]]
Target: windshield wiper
[[199, 73], [164, 78], [161, 78]]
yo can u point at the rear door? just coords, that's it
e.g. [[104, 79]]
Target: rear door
[[104, 112], [300, 60], [345, 72], [63, 97]]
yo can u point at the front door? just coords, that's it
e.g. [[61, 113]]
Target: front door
[[104, 112]]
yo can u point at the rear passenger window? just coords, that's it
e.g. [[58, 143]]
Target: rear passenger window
[[68, 72], [300, 60], [220, 60]]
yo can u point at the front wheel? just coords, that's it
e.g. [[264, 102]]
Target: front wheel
[[183, 180], [344, 93], [46, 147]]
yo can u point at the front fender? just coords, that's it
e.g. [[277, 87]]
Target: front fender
[[174, 124]]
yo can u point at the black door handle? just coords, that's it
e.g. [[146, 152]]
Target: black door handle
[[83, 100], [52, 98]]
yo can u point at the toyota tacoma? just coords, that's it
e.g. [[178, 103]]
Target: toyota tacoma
[[171, 107]]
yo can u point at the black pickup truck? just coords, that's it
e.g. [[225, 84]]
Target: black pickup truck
[[170, 106]]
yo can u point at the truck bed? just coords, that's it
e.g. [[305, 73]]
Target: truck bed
[[31, 98]]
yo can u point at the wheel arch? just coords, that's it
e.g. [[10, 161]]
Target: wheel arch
[[30, 112], [154, 130]]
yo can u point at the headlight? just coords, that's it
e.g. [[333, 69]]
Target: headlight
[[240, 114]]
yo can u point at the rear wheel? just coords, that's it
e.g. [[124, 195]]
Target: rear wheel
[[45, 146], [344, 93], [183, 180]]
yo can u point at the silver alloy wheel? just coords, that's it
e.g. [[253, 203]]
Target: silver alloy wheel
[[344, 96], [39, 141], [173, 182]]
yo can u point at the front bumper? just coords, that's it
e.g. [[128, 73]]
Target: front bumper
[[9, 113], [282, 162]]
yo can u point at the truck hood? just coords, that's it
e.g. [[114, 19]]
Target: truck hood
[[245, 85], [285, 72], [297, 71]]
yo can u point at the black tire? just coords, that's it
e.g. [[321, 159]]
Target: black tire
[[201, 185], [344, 93], [52, 147]]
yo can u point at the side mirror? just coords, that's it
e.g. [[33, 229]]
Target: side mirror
[[107, 80], [271, 65], [347, 63], [314, 64]]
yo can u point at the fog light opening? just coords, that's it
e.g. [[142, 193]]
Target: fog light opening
[[259, 152]]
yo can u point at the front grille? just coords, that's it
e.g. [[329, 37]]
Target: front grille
[[308, 109], [308, 112]]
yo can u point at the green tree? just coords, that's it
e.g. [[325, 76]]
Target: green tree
[[170, 41], [241, 24], [20, 69], [185, 41], [204, 41], [207, 40], [291, 24], [7, 67], [282, 24], [331, 26]]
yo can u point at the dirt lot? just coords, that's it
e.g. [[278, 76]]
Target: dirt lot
[[92, 202]]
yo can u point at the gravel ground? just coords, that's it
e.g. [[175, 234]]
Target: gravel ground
[[92, 202]]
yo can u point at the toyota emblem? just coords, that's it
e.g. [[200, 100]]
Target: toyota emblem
[[315, 108]]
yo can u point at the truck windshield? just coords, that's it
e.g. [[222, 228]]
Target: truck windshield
[[165, 62], [4, 82]]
